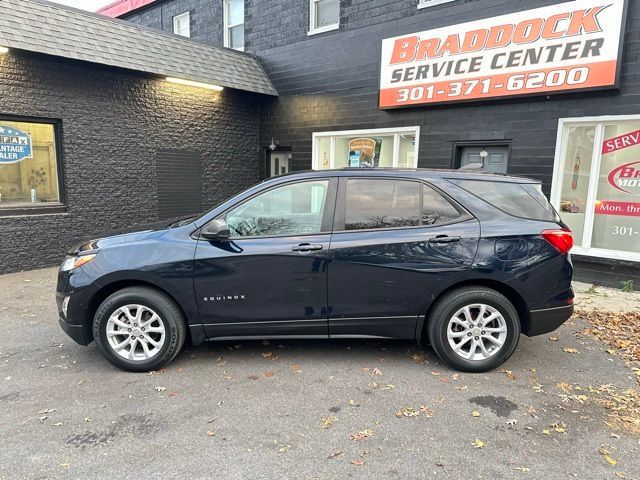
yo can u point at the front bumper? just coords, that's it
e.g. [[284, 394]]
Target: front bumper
[[78, 333], [548, 319]]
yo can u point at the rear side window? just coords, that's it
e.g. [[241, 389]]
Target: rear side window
[[520, 200], [378, 204]]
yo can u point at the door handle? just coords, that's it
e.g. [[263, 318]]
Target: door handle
[[440, 239], [307, 247]]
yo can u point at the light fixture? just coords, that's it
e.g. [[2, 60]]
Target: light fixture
[[274, 144], [3, 50], [483, 153], [191, 83]]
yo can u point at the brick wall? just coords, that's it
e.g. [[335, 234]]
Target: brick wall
[[113, 122], [205, 18]]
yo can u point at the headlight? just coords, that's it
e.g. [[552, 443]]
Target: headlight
[[74, 262]]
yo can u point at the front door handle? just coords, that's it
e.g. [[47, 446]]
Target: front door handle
[[307, 247], [444, 239]]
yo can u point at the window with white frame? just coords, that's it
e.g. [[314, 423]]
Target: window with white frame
[[384, 147], [182, 24], [324, 15], [596, 184], [234, 24], [431, 3]]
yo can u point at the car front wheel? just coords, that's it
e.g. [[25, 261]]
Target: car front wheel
[[474, 329], [139, 329]]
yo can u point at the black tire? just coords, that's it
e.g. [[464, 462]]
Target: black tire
[[170, 315], [447, 306]]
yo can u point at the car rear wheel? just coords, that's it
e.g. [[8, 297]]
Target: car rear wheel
[[139, 329], [474, 329]]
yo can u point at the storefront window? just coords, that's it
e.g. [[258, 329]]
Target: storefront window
[[366, 148], [28, 165], [597, 186], [575, 178], [616, 225]]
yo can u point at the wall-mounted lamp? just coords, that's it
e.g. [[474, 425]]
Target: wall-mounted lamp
[[483, 153], [191, 83], [3, 50], [274, 144]]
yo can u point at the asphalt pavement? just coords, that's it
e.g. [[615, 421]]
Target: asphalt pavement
[[301, 409]]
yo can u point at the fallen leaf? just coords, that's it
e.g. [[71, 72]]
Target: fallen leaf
[[570, 350], [553, 338], [210, 433], [358, 463], [327, 422], [427, 411], [523, 469], [607, 456], [510, 375], [377, 372], [268, 373], [407, 412], [475, 413], [361, 435], [478, 443], [334, 454], [296, 368]]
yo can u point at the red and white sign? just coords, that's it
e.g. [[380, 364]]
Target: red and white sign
[[626, 178], [567, 46], [624, 209]]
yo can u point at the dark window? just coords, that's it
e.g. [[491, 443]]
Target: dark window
[[381, 204], [519, 200], [436, 209], [179, 177], [294, 209]]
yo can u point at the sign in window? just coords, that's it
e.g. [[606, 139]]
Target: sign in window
[[28, 165]]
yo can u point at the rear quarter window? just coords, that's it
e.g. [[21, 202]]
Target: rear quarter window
[[520, 200]]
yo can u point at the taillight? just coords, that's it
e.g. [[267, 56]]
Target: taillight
[[561, 239]]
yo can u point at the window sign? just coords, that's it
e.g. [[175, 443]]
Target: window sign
[[597, 185], [561, 47], [15, 145], [28, 165]]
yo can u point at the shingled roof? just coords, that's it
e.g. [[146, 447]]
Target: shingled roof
[[43, 27]]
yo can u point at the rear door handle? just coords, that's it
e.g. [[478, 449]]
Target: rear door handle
[[307, 247], [444, 239]]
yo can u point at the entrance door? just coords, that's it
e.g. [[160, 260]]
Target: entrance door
[[496, 161], [270, 278], [279, 162]]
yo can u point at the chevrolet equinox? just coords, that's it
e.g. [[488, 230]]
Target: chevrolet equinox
[[463, 261]]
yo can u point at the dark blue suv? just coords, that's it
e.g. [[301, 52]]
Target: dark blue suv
[[462, 261]]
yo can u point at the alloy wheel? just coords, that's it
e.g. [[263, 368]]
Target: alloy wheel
[[477, 332], [135, 332]]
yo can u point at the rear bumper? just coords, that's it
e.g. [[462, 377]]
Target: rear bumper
[[547, 320]]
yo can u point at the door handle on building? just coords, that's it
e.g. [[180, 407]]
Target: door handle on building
[[307, 247]]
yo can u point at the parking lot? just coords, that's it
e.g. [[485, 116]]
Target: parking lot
[[307, 409]]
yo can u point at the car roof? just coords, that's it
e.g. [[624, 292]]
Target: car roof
[[425, 173]]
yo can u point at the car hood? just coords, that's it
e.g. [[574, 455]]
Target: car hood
[[127, 235]]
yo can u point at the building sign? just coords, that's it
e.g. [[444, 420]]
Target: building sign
[[567, 46], [15, 145]]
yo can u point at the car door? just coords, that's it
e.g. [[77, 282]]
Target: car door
[[395, 242], [270, 277]]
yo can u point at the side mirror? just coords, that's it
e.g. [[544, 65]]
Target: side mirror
[[216, 230]]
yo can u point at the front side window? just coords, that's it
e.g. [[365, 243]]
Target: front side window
[[324, 15], [29, 174], [182, 24], [234, 24], [296, 209]]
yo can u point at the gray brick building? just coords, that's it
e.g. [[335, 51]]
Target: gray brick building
[[323, 57]]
